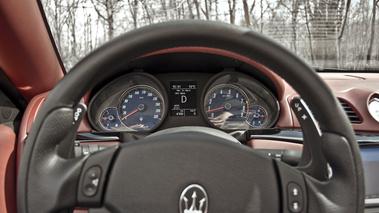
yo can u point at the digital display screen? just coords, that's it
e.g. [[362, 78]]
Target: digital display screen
[[370, 158], [183, 98]]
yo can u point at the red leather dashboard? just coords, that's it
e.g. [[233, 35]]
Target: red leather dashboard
[[356, 90]]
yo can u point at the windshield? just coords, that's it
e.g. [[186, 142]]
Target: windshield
[[340, 34]]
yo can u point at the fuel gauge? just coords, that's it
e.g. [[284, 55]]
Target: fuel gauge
[[109, 119], [257, 116]]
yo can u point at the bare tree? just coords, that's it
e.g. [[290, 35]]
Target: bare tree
[[216, 9], [232, 10], [206, 10], [254, 20], [88, 34], [246, 13], [191, 16], [342, 32], [307, 24], [133, 7], [147, 11], [164, 9], [71, 24], [326, 21], [369, 52], [340, 35], [57, 13], [106, 10], [294, 10], [197, 5]]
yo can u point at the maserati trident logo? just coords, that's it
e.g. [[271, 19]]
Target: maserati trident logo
[[194, 199]]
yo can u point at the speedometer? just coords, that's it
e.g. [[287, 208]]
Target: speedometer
[[226, 106], [141, 108]]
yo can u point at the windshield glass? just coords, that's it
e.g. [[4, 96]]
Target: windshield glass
[[339, 34]]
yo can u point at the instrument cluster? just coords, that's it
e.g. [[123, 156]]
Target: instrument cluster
[[140, 102]]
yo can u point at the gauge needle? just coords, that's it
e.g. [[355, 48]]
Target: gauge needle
[[129, 114], [247, 109], [215, 109]]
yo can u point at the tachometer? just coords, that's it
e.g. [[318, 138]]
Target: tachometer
[[141, 108], [226, 106]]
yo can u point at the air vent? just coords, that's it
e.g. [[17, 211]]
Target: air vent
[[353, 117]]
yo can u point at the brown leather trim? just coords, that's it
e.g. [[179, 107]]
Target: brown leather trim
[[34, 111], [278, 81], [355, 89], [27, 120], [274, 144], [7, 170]]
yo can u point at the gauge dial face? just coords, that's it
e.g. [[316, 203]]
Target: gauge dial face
[[257, 116], [109, 119], [226, 106], [141, 108]]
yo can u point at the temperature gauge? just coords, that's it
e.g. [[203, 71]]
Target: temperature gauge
[[109, 119]]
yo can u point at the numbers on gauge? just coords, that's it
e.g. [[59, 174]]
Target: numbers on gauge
[[258, 116], [109, 119], [226, 106], [141, 108]]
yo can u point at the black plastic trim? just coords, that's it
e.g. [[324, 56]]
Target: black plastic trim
[[11, 91]]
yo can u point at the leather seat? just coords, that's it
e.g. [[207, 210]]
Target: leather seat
[[7, 170]]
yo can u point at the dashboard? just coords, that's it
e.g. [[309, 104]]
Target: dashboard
[[169, 90], [143, 102], [162, 91]]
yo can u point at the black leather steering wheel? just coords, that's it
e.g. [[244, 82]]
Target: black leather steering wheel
[[186, 170]]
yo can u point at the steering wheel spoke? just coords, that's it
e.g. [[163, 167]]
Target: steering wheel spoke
[[333, 193], [293, 188], [51, 180], [94, 176]]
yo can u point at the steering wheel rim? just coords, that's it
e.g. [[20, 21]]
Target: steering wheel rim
[[61, 103]]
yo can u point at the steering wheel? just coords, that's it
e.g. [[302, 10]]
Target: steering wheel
[[188, 169]]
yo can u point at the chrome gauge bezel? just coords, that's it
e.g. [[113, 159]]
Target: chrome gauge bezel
[[111, 118], [256, 93], [256, 115], [110, 95], [228, 112], [140, 108]]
